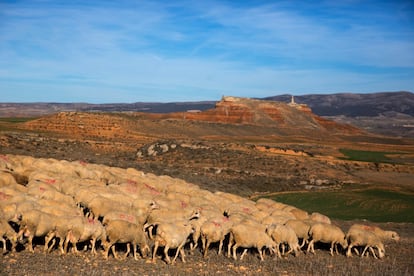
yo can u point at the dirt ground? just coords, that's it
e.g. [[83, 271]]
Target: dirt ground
[[399, 260]]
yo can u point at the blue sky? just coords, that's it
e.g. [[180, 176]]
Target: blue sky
[[128, 51]]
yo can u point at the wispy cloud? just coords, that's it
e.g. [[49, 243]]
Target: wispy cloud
[[158, 51]]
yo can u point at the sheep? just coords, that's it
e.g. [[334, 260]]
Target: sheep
[[35, 223], [326, 233], [63, 224], [360, 237], [138, 213], [282, 234], [315, 216], [301, 228], [382, 234], [120, 231], [89, 230], [100, 206], [7, 233], [172, 235], [247, 236], [214, 230], [162, 215]]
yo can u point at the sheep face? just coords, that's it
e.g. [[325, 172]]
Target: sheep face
[[344, 243], [381, 250], [394, 235]]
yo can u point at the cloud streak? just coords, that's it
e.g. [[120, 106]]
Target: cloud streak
[[97, 51]]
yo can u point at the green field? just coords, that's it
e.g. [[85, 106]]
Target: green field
[[367, 156], [372, 204], [15, 120]]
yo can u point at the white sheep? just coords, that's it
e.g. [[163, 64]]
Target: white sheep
[[35, 223], [315, 216], [326, 233], [248, 236], [164, 215], [384, 235], [359, 237], [215, 230], [120, 231], [88, 230], [301, 228], [284, 234], [7, 233], [172, 235]]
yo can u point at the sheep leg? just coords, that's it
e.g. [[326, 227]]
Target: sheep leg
[[3, 240], [229, 245], [289, 251], [363, 252], [206, 248], [113, 249], [234, 251], [61, 242], [303, 243], [244, 253], [336, 249], [332, 248], [261, 253], [311, 247], [180, 250], [167, 258], [349, 252], [150, 232], [107, 248], [49, 237], [356, 251], [30, 242], [373, 252], [203, 242], [127, 252], [134, 249], [154, 251], [93, 242], [277, 249], [176, 254], [220, 247]]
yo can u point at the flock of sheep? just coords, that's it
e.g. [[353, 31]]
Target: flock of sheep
[[62, 205]]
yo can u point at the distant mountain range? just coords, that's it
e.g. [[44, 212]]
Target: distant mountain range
[[355, 105], [389, 113]]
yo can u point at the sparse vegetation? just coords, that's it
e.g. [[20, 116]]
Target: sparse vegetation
[[16, 120], [367, 156], [371, 204]]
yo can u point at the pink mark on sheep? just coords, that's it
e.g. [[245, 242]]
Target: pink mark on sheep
[[50, 181], [152, 189], [4, 196], [184, 204], [246, 209], [83, 163], [4, 157]]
